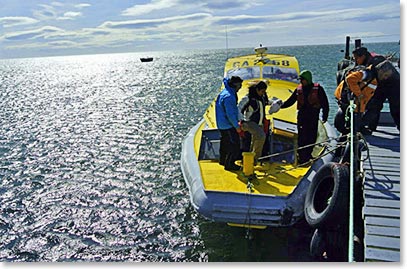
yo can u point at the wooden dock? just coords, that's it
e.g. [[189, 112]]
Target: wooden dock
[[381, 211]]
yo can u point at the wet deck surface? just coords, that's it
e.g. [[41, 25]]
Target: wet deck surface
[[382, 194]]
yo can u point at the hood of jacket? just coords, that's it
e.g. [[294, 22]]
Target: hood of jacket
[[305, 74]]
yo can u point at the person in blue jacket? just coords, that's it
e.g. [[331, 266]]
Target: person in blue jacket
[[227, 121]]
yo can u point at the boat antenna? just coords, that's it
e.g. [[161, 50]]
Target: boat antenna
[[226, 31]]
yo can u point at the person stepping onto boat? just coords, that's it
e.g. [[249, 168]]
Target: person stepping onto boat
[[388, 88], [310, 98], [252, 106], [227, 121], [362, 84]]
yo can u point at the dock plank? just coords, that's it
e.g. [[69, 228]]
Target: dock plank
[[369, 174], [383, 203], [382, 191], [383, 230], [373, 254], [380, 211], [389, 222], [369, 193], [383, 186], [385, 242]]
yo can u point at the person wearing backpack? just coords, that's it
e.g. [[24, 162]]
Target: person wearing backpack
[[359, 85], [388, 88]]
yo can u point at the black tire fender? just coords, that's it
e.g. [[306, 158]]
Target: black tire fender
[[326, 201], [318, 245]]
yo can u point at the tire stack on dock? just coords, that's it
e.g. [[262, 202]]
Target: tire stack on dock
[[326, 210]]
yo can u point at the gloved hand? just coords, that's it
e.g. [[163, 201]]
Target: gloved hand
[[275, 106], [240, 130]]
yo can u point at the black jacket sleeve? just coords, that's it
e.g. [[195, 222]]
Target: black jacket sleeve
[[291, 100]]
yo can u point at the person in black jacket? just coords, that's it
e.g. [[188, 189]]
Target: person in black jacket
[[310, 98], [388, 88], [363, 57]]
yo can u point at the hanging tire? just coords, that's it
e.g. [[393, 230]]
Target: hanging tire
[[318, 245], [326, 201]]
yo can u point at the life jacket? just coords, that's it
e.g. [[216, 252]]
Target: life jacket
[[313, 98], [364, 90], [342, 90]]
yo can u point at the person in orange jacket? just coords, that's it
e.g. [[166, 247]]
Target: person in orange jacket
[[362, 84], [388, 88]]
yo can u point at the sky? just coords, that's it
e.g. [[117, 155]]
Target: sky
[[35, 28]]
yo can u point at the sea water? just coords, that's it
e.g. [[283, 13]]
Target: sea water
[[90, 158]]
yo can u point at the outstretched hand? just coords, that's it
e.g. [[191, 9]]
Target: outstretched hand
[[275, 106]]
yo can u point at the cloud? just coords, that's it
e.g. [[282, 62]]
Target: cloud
[[17, 21], [216, 5], [30, 34], [70, 15], [193, 23], [63, 43], [83, 5], [58, 11], [148, 8], [137, 24], [211, 6], [45, 13], [57, 4], [242, 19], [371, 14]]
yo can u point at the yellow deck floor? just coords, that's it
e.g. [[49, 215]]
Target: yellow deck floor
[[271, 178]]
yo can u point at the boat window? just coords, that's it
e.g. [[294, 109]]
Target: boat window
[[245, 73], [280, 73]]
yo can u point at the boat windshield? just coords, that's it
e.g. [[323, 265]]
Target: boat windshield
[[280, 73], [245, 73], [270, 72]]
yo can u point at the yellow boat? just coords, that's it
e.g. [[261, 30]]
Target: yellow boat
[[274, 194]]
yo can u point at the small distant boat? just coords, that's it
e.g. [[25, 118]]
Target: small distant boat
[[146, 59]]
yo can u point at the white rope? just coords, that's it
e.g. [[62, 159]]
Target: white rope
[[351, 179]]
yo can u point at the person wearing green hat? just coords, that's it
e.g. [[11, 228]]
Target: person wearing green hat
[[310, 98]]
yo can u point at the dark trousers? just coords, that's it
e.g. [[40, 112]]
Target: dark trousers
[[344, 127], [229, 150], [375, 105], [307, 134]]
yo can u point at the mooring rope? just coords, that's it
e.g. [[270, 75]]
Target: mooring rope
[[351, 179], [247, 220], [313, 160], [306, 146]]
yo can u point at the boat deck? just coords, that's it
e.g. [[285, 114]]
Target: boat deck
[[382, 193], [275, 179]]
